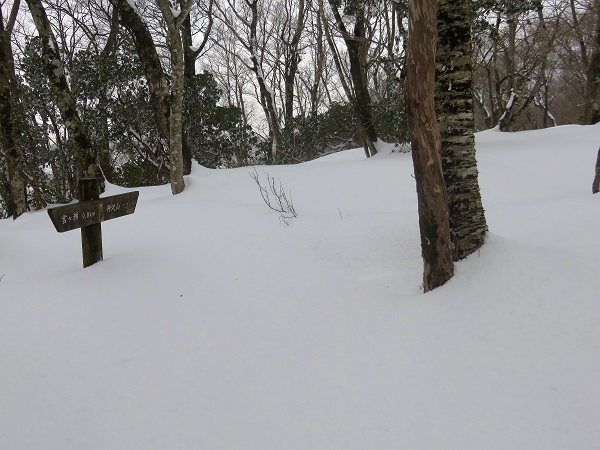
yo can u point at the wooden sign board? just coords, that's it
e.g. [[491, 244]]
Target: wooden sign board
[[88, 214], [84, 213]]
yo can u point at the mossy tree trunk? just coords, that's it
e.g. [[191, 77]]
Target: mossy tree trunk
[[454, 108], [436, 246], [176, 53], [17, 201]]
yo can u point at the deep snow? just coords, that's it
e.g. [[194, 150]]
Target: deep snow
[[212, 325]]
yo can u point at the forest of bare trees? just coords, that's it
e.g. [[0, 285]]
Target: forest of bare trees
[[134, 90]]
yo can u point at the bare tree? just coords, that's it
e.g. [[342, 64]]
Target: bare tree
[[150, 61], [436, 245], [514, 62], [166, 99], [192, 51], [312, 79], [291, 33], [85, 154], [592, 104], [246, 30], [229, 69], [357, 45]]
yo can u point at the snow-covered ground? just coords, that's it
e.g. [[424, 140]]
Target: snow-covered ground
[[212, 325]]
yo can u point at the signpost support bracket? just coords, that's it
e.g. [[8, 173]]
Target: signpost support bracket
[[91, 235]]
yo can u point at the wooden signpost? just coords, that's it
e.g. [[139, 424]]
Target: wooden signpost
[[88, 213]]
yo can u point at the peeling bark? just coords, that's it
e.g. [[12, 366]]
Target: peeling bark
[[436, 246]]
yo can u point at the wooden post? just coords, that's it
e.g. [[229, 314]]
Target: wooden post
[[91, 235], [88, 213], [596, 183]]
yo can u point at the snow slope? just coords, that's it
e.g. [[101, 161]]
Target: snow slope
[[212, 325]]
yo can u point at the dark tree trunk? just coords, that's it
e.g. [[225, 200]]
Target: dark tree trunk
[[108, 54], [436, 245], [144, 45], [85, 155], [592, 104], [356, 44], [320, 59], [289, 79], [17, 201], [190, 55], [292, 59], [596, 183], [454, 108], [266, 97], [189, 71]]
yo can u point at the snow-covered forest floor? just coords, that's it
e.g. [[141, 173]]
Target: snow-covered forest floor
[[210, 324]]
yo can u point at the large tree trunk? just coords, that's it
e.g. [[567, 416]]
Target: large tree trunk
[[17, 201], [157, 83], [454, 108], [190, 55], [175, 46], [153, 71], [176, 116], [436, 245], [150, 61], [85, 155]]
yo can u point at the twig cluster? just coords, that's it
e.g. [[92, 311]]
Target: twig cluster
[[275, 197]]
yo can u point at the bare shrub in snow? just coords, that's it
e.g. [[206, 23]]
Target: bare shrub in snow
[[275, 197]]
